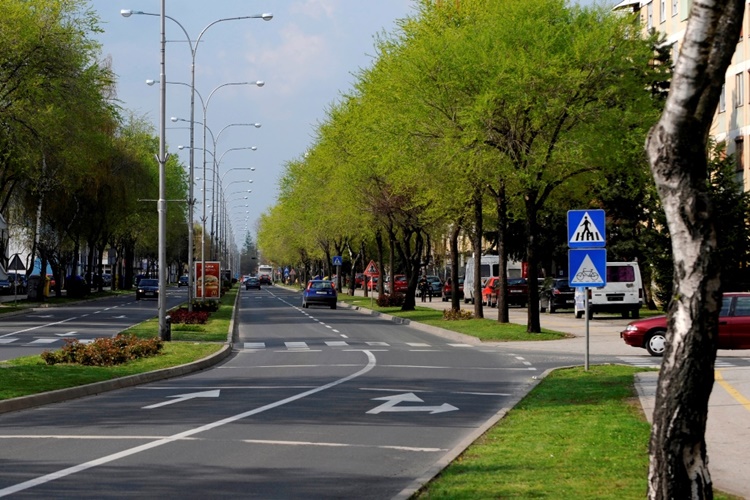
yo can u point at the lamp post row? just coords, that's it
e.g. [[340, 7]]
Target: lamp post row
[[162, 157]]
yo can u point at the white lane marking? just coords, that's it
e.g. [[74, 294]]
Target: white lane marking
[[38, 327], [43, 341], [377, 344], [254, 345], [296, 345], [371, 362], [7, 340], [251, 441], [417, 344], [336, 343], [460, 345], [342, 445]]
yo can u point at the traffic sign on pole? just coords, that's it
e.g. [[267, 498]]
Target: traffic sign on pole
[[588, 267], [586, 229]]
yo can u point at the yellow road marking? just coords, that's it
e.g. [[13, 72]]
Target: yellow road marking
[[732, 391]]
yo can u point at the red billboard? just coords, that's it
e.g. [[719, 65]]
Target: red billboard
[[212, 280]]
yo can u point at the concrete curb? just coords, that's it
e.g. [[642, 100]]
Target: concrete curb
[[60, 395], [45, 398]]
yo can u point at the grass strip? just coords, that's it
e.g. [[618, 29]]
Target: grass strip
[[485, 329], [30, 375], [577, 435], [214, 330]]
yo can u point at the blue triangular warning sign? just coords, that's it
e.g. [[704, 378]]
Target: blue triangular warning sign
[[586, 229]]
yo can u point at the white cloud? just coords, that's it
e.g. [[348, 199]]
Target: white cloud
[[314, 9], [299, 59]]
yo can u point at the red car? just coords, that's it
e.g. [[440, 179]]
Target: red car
[[399, 285], [734, 327], [372, 283], [448, 289], [518, 291]]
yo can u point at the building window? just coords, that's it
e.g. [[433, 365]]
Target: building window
[[739, 154], [723, 99], [662, 11], [739, 89], [675, 7], [650, 16]]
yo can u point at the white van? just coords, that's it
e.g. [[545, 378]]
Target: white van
[[622, 294], [490, 266]]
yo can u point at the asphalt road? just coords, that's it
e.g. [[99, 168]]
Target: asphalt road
[[46, 328], [314, 403]]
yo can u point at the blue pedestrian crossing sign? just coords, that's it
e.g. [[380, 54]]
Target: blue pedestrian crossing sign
[[337, 261], [588, 267], [586, 229]]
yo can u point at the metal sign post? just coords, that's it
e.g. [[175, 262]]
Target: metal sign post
[[587, 258]]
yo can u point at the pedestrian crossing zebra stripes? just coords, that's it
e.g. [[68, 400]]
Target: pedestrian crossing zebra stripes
[[297, 345]]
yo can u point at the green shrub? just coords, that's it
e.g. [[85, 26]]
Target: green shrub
[[206, 305], [104, 351], [452, 315]]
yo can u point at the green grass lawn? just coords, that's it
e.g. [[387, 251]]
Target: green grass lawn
[[577, 435], [30, 375], [485, 329]]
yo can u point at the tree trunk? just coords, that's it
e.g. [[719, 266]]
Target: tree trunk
[[502, 254], [676, 148], [533, 324], [455, 299], [476, 243]]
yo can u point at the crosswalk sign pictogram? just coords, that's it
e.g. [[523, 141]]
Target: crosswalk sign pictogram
[[371, 269], [586, 229], [337, 260]]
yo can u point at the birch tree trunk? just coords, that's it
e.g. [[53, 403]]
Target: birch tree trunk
[[676, 147]]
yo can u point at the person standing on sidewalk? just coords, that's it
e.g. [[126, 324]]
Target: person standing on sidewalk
[[424, 286]]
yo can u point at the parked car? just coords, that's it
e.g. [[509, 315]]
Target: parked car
[[359, 278], [147, 287], [398, 284], [252, 282], [518, 291], [436, 285], [556, 294], [5, 287], [734, 327], [320, 292], [372, 283], [183, 281], [106, 279], [448, 289]]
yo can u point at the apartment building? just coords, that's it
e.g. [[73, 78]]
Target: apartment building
[[731, 124]]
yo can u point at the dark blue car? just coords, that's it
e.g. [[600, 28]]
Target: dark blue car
[[320, 292]]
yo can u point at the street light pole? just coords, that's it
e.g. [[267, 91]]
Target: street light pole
[[193, 50], [164, 333]]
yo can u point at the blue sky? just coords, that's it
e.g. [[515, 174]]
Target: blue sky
[[306, 56]]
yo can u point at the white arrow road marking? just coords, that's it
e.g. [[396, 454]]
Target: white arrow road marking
[[122, 316], [184, 397], [55, 475], [392, 401]]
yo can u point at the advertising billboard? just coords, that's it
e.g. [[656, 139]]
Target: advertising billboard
[[212, 278]]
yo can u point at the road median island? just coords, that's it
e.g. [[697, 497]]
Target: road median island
[[40, 384]]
